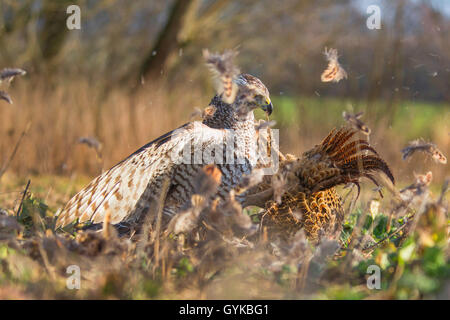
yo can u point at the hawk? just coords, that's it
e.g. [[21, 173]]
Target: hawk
[[225, 137]]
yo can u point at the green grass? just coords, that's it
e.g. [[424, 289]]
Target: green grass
[[415, 116]]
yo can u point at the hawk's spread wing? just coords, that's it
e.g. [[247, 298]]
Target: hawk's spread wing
[[120, 188]]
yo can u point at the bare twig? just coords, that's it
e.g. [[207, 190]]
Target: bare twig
[[16, 147], [23, 198], [386, 238]]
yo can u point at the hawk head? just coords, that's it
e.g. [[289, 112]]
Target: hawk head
[[252, 94], [245, 92]]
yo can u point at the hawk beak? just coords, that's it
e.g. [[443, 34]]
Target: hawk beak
[[268, 107]]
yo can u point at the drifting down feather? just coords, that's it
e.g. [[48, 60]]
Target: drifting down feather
[[8, 75], [426, 147], [225, 72], [334, 71], [355, 121]]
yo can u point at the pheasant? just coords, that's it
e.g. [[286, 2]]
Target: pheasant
[[166, 168], [302, 195]]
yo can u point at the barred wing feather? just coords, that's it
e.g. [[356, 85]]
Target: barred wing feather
[[123, 187]]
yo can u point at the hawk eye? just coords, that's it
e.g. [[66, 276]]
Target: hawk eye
[[259, 98]]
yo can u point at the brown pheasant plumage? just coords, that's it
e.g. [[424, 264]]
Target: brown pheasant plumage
[[305, 187]]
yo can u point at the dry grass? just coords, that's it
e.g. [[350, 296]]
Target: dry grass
[[407, 238], [60, 116]]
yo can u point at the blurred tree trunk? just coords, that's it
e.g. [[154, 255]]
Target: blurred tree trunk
[[433, 19], [377, 74], [166, 42], [12, 20], [397, 61], [54, 30]]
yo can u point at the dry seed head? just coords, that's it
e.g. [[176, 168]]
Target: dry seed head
[[8, 74], [197, 200], [91, 142], [5, 96], [355, 121], [426, 147], [424, 179], [213, 172], [374, 206], [208, 112], [439, 157]]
